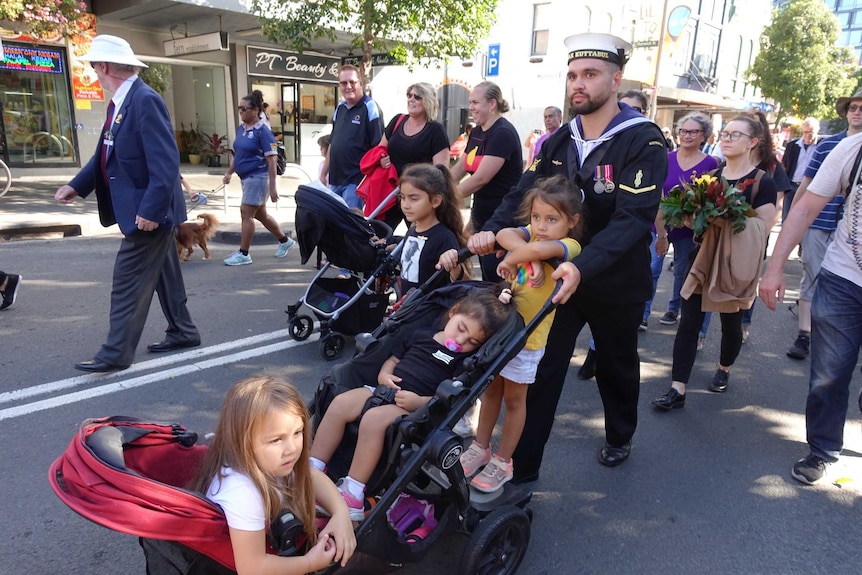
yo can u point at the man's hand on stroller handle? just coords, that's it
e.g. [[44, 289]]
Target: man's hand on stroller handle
[[484, 243]]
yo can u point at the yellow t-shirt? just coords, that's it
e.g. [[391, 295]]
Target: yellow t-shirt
[[529, 300]]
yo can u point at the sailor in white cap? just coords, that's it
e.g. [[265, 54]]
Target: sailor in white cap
[[618, 159], [135, 173]]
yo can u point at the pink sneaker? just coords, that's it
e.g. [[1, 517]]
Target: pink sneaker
[[493, 476], [474, 458], [354, 505]]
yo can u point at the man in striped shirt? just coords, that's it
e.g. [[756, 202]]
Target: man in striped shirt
[[820, 233]]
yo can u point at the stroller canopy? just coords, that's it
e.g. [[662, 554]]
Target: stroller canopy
[[324, 221], [128, 475]]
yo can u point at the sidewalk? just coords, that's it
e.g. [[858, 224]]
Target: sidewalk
[[29, 211]]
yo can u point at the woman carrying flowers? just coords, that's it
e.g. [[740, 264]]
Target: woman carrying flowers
[[727, 200]]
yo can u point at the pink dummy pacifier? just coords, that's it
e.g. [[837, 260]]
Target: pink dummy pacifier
[[453, 345]]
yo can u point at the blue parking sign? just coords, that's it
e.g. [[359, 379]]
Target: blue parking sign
[[493, 65]]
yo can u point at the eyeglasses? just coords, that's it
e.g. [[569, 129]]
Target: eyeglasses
[[414, 96], [348, 83], [732, 136], [854, 107], [638, 110], [244, 108], [685, 133]]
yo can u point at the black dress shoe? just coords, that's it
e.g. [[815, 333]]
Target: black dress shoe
[[672, 399], [588, 370], [98, 366], [719, 381], [170, 345], [611, 456]]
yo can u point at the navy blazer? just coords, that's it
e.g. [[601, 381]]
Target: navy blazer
[[143, 166]]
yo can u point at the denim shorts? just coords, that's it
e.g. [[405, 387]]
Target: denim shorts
[[255, 189]]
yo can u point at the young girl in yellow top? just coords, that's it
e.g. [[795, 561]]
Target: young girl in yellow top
[[258, 465], [552, 209]]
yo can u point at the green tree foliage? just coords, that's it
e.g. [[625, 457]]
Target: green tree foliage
[[799, 66], [408, 29], [157, 77]]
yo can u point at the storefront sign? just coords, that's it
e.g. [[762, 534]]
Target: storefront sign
[[85, 83], [275, 63], [376, 60], [24, 59], [194, 44]]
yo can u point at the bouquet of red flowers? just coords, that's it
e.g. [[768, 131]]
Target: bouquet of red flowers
[[706, 198]]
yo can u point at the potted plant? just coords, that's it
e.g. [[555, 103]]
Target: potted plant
[[192, 143], [214, 147]]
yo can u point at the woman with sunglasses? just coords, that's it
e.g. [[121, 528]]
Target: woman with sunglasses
[[253, 161], [414, 138], [739, 138]]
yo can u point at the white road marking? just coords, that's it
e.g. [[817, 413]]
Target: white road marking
[[166, 360], [125, 384]]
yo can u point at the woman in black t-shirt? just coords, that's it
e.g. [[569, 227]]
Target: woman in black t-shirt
[[492, 158], [414, 139], [739, 138]]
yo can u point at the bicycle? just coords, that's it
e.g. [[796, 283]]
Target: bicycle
[[5, 178]]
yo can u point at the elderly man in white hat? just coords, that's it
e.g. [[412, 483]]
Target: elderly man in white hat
[[618, 159], [135, 174]]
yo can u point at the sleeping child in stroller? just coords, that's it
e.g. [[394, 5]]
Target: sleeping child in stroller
[[406, 381]]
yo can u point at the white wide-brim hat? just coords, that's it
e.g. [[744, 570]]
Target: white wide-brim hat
[[113, 49]]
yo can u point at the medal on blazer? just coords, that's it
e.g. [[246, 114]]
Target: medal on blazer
[[604, 179]]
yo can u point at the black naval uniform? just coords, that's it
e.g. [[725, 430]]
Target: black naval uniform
[[621, 197]]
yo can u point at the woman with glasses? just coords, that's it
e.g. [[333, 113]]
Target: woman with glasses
[[493, 159], [414, 138], [739, 138], [253, 161]]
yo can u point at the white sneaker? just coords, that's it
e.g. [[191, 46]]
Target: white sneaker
[[237, 259], [283, 248]]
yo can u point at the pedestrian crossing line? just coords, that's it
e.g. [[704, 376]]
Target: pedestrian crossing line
[[148, 365], [86, 394]]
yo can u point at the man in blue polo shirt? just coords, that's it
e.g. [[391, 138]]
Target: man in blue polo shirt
[[356, 128], [820, 233]]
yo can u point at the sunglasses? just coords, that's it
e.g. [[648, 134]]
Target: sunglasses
[[244, 109], [638, 110], [414, 96], [854, 107], [348, 83]]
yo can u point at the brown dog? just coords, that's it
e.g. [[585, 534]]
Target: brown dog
[[190, 233]]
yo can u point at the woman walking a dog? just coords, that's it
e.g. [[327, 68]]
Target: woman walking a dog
[[255, 153]]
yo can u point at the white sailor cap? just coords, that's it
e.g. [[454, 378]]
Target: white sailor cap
[[599, 46]]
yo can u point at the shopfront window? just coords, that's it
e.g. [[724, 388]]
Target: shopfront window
[[37, 123]]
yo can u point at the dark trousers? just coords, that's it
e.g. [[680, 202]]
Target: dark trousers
[[685, 343], [146, 262], [615, 329]]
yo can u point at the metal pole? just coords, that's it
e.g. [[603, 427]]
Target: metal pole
[[654, 98]]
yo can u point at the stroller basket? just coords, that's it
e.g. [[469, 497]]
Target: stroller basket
[[328, 295]]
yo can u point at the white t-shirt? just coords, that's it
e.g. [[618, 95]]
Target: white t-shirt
[[240, 500], [832, 179]]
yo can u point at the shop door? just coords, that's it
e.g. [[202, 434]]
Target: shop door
[[290, 122]]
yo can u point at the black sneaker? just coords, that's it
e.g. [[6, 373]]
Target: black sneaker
[[588, 370], [810, 470], [719, 381], [643, 326], [669, 318], [800, 348], [672, 399], [12, 283]]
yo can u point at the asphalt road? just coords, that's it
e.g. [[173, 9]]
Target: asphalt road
[[706, 490]]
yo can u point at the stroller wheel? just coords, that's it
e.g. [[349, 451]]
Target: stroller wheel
[[498, 544], [300, 327], [331, 346]]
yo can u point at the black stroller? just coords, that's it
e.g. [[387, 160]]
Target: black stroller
[[343, 305], [421, 453]]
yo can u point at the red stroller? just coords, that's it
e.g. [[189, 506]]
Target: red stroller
[[128, 475]]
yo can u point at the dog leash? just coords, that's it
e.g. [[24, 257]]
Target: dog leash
[[203, 198]]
